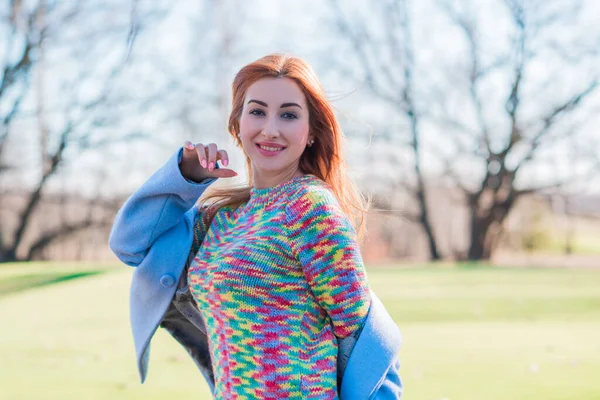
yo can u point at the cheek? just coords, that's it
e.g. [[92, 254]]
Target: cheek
[[244, 124], [248, 129], [295, 132], [300, 131]]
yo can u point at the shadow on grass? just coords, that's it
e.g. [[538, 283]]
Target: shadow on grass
[[30, 281]]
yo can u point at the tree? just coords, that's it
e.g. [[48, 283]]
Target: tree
[[40, 36], [490, 155], [505, 150], [392, 81]]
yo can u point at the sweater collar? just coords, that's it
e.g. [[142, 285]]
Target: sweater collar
[[266, 195]]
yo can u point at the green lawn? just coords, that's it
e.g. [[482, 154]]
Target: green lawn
[[15, 277], [468, 334]]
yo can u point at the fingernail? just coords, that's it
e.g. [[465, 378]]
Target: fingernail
[[204, 163], [190, 146], [211, 166], [225, 162]]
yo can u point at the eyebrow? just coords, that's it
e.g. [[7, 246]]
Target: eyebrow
[[284, 105]]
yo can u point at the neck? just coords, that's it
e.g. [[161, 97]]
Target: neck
[[263, 180]]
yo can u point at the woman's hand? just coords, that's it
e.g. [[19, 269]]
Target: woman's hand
[[199, 162]]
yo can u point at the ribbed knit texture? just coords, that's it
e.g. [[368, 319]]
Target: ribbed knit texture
[[276, 280]]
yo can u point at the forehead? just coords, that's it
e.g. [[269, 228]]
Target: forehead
[[276, 91]]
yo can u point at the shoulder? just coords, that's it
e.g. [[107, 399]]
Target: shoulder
[[312, 202], [311, 194]]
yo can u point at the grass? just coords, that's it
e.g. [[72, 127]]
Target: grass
[[496, 333], [468, 333], [15, 277]]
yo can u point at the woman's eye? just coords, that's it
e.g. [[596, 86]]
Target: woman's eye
[[289, 115], [257, 111]]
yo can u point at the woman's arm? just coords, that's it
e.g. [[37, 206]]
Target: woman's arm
[[325, 244], [158, 205]]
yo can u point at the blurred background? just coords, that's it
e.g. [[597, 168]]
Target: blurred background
[[473, 125]]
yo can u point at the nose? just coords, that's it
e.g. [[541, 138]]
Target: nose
[[271, 128]]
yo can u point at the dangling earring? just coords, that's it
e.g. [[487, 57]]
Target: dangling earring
[[311, 142]]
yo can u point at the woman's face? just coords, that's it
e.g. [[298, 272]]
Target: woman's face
[[274, 126]]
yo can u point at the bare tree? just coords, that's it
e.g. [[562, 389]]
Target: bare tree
[[34, 30], [387, 63], [506, 149], [499, 148]]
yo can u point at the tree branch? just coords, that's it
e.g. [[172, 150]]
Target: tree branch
[[513, 101], [550, 120], [359, 47]]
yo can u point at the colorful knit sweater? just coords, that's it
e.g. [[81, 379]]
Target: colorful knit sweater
[[276, 280]]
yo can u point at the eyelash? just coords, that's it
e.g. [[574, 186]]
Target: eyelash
[[259, 112], [256, 111]]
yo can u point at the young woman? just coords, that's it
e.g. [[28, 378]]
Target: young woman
[[264, 285]]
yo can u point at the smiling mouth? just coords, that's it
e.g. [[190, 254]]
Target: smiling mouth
[[269, 148]]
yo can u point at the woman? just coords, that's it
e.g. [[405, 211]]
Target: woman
[[281, 305]]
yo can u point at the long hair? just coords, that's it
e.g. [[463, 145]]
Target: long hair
[[324, 158]]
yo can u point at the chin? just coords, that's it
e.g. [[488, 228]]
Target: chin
[[272, 167], [269, 167]]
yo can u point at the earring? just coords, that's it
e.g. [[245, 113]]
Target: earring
[[311, 142]]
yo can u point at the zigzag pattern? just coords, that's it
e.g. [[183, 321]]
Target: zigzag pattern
[[276, 280]]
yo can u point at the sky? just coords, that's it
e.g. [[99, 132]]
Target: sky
[[182, 43]]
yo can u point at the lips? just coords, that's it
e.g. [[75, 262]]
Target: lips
[[270, 146], [269, 149]]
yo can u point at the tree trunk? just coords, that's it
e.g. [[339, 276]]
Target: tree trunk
[[425, 223], [424, 218], [479, 247], [8, 255]]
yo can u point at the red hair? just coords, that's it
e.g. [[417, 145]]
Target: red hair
[[323, 159]]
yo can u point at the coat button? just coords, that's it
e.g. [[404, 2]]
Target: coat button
[[167, 280]]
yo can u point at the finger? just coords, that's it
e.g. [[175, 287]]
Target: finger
[[222, 155], [201, 151], [189, 151], [212, 156], [188, 147], [224, 173]]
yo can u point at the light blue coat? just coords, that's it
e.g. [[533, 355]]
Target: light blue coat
[[153, 232]]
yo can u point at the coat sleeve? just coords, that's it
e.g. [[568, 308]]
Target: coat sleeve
[[372, 371], [324, 242], [158, 205], [391, 387]]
